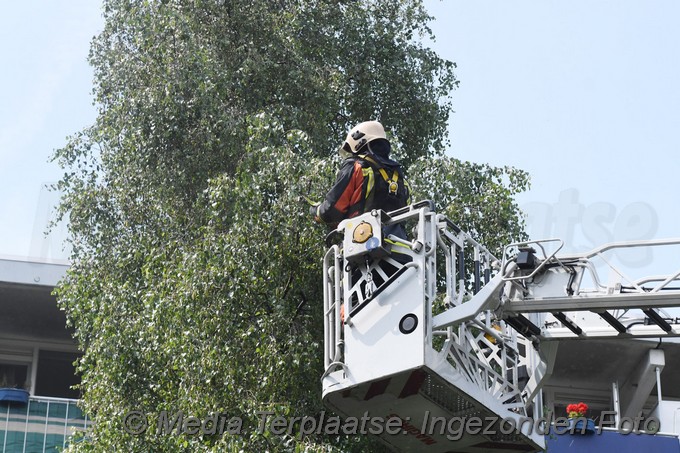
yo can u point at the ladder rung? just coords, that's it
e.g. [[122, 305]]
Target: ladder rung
[[615, 323], [568, 323], [523, 325], [658, 320]]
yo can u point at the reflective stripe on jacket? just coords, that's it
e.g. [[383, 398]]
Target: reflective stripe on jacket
[[347, 196]]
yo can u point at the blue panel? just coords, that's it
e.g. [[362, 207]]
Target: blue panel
[[14, 395], [611, 441]]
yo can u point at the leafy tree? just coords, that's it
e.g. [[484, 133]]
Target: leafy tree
[[477, 197], [195, 283]]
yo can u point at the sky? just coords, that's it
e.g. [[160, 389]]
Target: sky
[[45, 96], [583, 95]]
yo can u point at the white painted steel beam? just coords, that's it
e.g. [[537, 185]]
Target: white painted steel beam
[[634, 392], [595, 302]]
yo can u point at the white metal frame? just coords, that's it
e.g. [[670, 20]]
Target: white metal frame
[[485, 351]]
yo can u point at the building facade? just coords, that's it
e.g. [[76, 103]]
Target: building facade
[[38, 410]]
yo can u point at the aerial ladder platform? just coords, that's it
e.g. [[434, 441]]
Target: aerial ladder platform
[[436, 331]]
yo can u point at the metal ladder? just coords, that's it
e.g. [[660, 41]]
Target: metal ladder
[[454, 332]]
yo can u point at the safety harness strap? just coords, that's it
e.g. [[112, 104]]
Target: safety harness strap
[[392, 183]]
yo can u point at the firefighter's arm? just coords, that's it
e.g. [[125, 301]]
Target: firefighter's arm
[[337, 202]]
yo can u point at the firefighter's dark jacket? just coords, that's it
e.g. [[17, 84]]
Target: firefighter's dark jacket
[[347, 197]]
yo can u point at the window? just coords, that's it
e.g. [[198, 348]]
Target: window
[[13, 375], [56, 374]]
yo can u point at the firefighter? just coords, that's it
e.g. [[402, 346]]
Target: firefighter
[[368, 179]]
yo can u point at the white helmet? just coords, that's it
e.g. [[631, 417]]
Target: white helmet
[[362, 134]]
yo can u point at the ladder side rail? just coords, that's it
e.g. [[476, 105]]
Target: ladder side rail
[[606, 332], [337, 302], [665, 283], [455, 288], [594, 302], [331, 288], [430, 238], [477, 271], [622, 244], [664, 293], [449, 257], [654, 278]]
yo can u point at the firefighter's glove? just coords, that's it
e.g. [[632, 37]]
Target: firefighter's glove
[[313, 212]]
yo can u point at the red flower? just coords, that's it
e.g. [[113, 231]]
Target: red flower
[[577, 410]]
